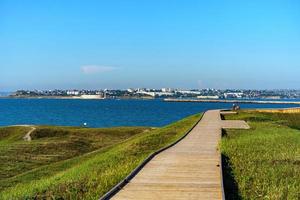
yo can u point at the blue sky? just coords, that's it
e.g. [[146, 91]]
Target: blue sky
[[159, 43]]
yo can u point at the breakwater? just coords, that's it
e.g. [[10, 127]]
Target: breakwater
[[232, 101]]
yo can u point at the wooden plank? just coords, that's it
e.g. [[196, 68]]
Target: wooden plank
[[188, 170]]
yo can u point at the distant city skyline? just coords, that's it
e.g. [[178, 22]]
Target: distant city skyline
[[142, 93], [149, 44]]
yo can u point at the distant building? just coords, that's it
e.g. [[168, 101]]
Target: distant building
[[154, 94], [146, 93], [164, 94], [167, 90], [73, 92], [233, 95], [141, 89], [208, 97], [271, 97], [189, 92], [130, 90], [87, 96], [164, 89]]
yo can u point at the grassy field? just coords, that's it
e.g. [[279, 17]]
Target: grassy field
[[263, 162], [76, 163], [52, 144]]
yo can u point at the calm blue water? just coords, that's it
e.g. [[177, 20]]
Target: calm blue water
[[103, 113]]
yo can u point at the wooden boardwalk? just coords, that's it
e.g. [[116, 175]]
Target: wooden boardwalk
[[188, 170]]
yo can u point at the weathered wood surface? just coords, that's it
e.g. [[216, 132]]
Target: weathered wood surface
[[188, 170]]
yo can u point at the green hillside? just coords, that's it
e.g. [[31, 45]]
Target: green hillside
[[263, 162], [76, 163]]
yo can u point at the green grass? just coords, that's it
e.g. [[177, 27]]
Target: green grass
[[89, 162], [52, 144], [265, 160]]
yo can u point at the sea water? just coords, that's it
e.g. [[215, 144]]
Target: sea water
[[105, 113]]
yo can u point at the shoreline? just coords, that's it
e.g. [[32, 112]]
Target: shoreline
[[231, 101], [238, 101], [47, 97], [73, 97]]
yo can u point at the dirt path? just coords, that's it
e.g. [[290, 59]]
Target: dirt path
[[188, 170], [27, 137]]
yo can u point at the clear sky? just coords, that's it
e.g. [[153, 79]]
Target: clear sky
[[149, 43]]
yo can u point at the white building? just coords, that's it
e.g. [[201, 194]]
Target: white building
[[73, 92], [189, 92], [233, 95], [89, 96], [154, 94], [146, 93], [130, 90], [208, 97], [167, 90]]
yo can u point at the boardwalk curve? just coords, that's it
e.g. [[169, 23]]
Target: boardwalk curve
[[188, 170]]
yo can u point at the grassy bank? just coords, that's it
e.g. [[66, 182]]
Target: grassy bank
[[86, 166], [52, 144], [265, 160]]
